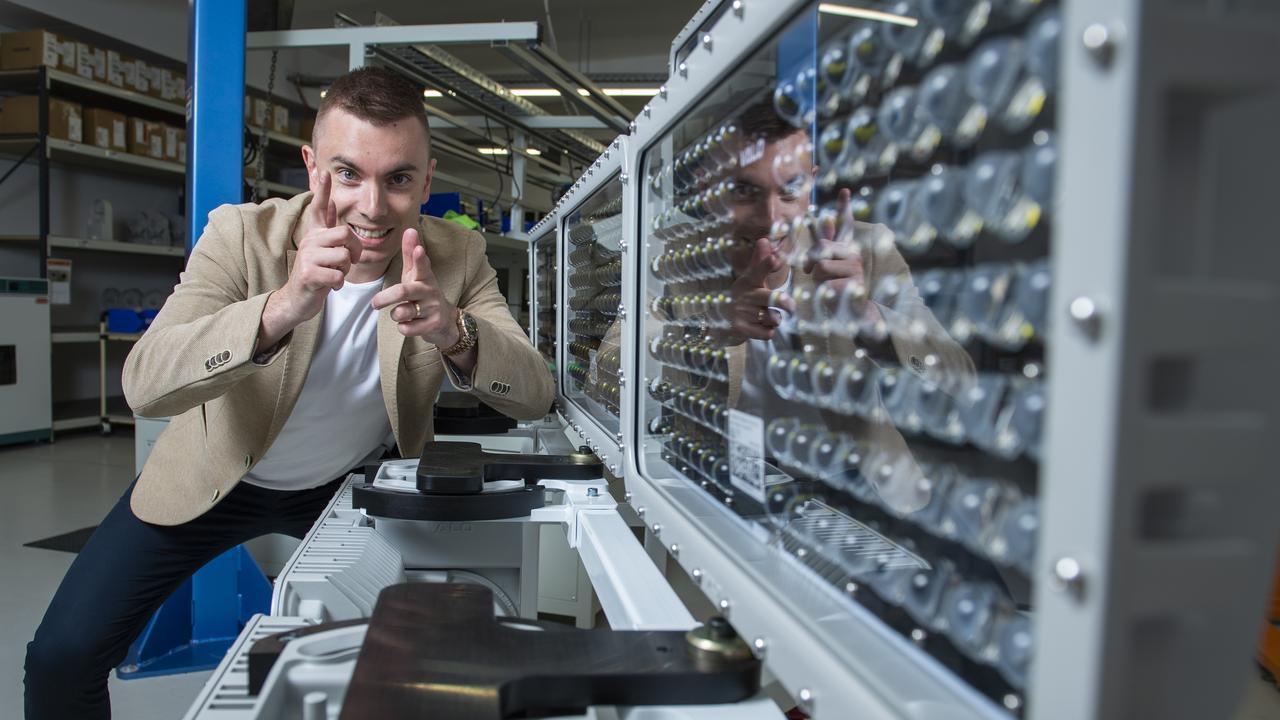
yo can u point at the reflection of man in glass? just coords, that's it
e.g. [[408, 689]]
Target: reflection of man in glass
[[803, 287]]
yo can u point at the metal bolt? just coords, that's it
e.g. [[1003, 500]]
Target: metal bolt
[[631, 126], [657, 529], [804, 701], [1100, 41], [918, 636], [683, 68], [129, 669], [737, 7], [724, 606], [1012, 701], [760, 645], [626, 497], [640, 512], [623, 178], [647, 110], [706, 40], [1086, 315], [622, 313], [613, 468], [622, 245], [1068, 576], [593, 492], [675, 550], [696, 574]]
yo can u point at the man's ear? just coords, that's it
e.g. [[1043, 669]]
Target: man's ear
[[309, 159], [426, 183]]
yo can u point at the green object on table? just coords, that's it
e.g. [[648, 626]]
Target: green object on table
[[463, 220]]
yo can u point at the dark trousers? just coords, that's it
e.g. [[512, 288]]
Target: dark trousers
[[123, 574]]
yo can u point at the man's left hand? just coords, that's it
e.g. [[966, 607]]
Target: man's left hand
[[417, 305]]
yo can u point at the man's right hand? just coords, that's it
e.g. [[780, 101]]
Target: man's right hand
[[326, 254], [750, 316]]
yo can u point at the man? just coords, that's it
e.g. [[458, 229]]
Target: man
[[794, 272], [305, 337]]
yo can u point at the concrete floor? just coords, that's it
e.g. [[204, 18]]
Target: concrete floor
[[52, 489]]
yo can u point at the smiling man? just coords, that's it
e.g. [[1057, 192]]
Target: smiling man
[[306, 337]]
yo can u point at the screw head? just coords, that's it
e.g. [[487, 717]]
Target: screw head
[[683, 69], [706, 40], [593, 492], [657, 529], [626, 497], [640, 511], [675, 549], [696, 574], [1084, 311], [662, 91], [1068, 576], [1100, 42]]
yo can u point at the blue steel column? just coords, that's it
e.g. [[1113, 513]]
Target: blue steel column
[[194, 627], [215, 110]]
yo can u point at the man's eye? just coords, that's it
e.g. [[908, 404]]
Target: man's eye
[[346, 174], [400, 180], [744, 191]]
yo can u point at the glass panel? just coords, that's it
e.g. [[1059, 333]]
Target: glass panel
[[546, 274], [594, 291], [845, 275]]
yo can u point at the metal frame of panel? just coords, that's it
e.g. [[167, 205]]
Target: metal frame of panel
[[851, 662], [1157, 543], [549, 222], [1123, 622], [615, 162]]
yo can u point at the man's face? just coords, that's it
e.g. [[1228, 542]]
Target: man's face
[[381, 175], [774, 187]]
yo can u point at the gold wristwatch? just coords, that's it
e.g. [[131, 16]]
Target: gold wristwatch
[[466, 334]]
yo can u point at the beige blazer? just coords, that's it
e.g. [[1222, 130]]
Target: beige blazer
[[196, 362]]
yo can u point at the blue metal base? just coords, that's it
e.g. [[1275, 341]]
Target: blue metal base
[[194, 628]]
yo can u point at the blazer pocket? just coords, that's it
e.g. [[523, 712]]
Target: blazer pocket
[[422, 359]]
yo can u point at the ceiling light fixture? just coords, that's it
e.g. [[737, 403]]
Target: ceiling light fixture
[[491, 150], [864, 14]]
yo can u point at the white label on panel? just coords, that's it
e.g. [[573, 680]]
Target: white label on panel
[[746, 453]]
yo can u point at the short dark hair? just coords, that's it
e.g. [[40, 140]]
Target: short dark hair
[[377, 95], [761, 120]]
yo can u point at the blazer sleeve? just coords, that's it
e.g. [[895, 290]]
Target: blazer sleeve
[[204, 339], [509, 376], [920, 342]]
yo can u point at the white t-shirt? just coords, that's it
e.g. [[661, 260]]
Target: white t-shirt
[[340, 418]]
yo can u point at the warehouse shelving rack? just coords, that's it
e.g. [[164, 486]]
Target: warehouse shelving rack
[[48, 152]]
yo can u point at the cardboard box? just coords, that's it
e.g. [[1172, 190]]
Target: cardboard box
[[106, 129], [91, 62], [32, 48], [174, 88], [21, 115], [116, 68], [175, 143], [146, 138], [137, 76], [256, 112], [156, 80], [280, 119]]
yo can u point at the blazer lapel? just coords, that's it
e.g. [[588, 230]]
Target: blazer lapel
[[390, 345], [296, 362]]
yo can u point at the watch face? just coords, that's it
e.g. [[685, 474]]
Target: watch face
[[469, 324]]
